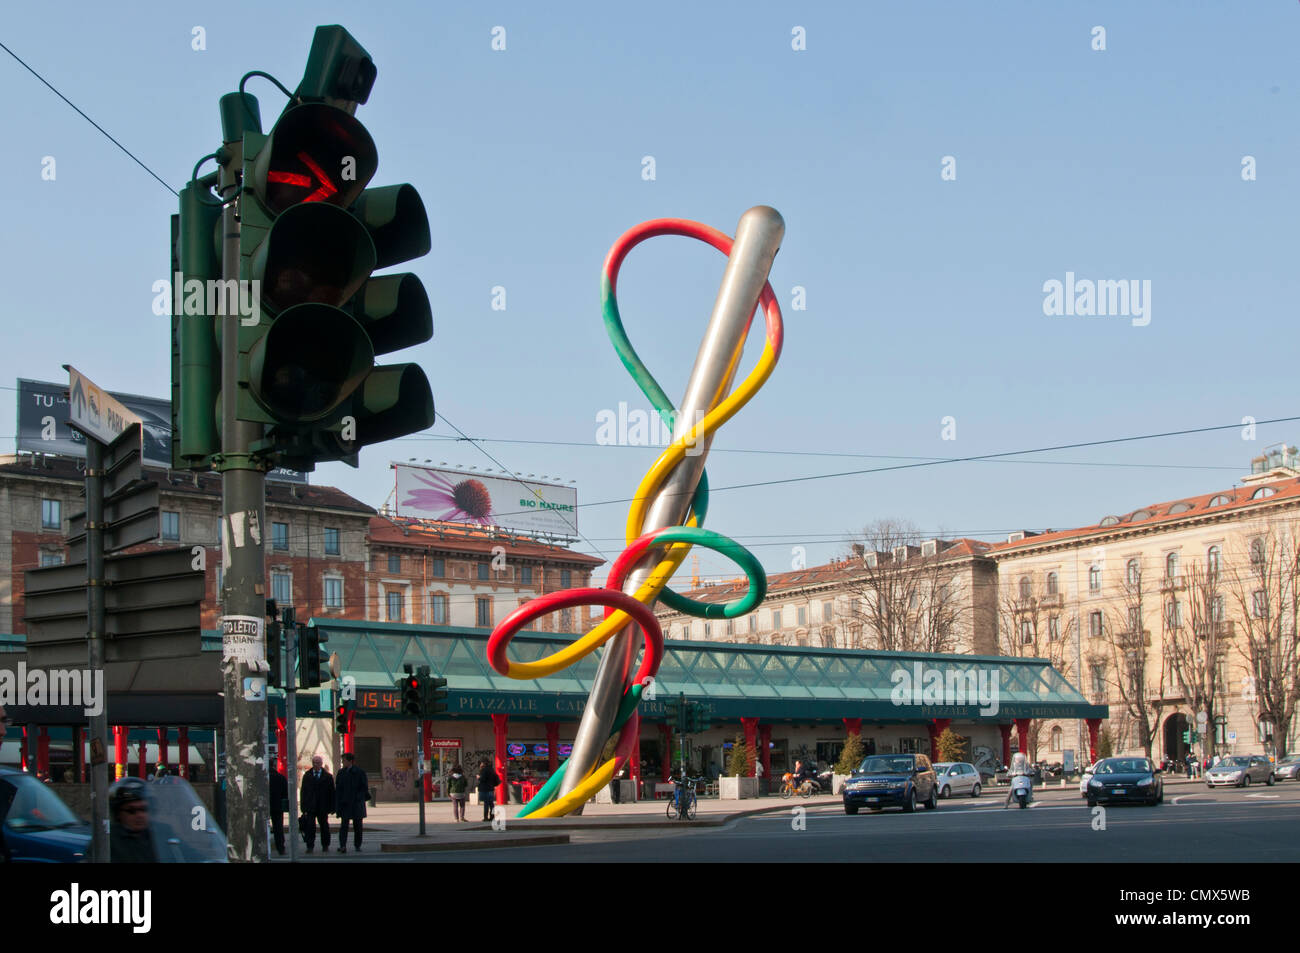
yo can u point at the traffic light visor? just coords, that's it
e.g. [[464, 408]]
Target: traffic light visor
[[315, 153]]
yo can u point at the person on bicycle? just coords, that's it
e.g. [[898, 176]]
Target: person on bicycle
[[802, 772]]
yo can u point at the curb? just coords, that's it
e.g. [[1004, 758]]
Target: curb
[[624, 821], [536, 840]]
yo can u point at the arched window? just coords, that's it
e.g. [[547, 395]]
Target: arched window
[[1133, 572], [1026, 588], [1056, 738], [1257, 552], [1052, 584], [1171, 566], [1094, 579], [1213, 561]]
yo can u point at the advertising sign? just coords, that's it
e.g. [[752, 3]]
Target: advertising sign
[[44, 425], [513, 504]]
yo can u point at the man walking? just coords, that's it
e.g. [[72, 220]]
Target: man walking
[[316, 803], [351, 791], [279, 800]]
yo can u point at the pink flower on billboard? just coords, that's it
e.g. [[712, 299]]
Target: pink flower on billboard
[[465, 502]]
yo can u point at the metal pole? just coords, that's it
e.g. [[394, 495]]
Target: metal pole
[[419, 777], [290, 683], [243, 516], [758, 237], [96, 616]]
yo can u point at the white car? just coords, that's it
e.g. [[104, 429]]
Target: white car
[[957, 777], [1083, 782]]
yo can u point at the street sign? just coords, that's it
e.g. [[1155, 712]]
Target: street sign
[[1232, 737], [152, 602], [1202, 718], [130, 501], [93, 411]]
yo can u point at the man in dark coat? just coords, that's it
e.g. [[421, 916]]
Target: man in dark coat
[[487, 788], [351, 791], [317, 803], [279, 799]]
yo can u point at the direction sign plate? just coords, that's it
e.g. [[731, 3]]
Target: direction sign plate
[[93, 411]]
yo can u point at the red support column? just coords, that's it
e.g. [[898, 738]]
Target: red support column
[[666, 734], [634, 768], [183, 746], [79, 755], [936, 728], [119, 751], [1006, 743], [500, 726], [552, 744], [751, 732], [281, 746], [1022, 735], [144, 771], [162, 747], [43, 753], [428, 759], [852, 726], [765, 757], [22, 755], [1094, 725]]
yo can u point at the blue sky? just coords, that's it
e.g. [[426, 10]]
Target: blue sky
[[924, 296]]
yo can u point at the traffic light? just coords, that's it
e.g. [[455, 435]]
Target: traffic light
[[274, 654], [435, 695], [311, 235], [1187, 737], [196, 335], [342, 716], [681, 712], [311, 670], [412, 694]]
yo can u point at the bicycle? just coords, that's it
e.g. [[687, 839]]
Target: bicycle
[[682, 806], [805, 789]]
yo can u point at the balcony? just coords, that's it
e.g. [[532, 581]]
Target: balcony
[[1133, 638], [1221, 630], [1053, 600], [1173, 583]]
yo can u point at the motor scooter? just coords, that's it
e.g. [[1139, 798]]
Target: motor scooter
[[1022, 788]]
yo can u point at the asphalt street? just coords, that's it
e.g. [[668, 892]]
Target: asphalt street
[[1193, 825]]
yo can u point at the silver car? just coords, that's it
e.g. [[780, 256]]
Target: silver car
[[957, 777], [1240, 771], [1288, 769]]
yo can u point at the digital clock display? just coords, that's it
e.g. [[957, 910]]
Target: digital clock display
[[378, 700]]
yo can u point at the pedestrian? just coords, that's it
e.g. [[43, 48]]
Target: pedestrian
[[129, 838], [1215, 761], [351, 791], [1190, 770], [487, 783], [279, 800], [316, 801], [458, 789], [160, 771]]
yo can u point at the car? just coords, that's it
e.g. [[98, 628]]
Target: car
[[891, 780], [35, 825], [957, 777], [1083, 782], [1240, 770], [1288, 769], [1125, 781]]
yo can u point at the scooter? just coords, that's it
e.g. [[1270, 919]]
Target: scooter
[[1022, 787]]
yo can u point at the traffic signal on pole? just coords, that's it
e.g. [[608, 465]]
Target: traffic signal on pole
[[682, 727], [196, 334], [412, 694], [312, 671], [311, 235], [435, 695], [274, 654], [342, 716]]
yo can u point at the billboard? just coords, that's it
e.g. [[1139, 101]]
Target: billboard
[[43, 413], [517, 505]]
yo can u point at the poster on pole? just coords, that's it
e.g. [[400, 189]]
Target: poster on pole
[[510, 503], [243, 638]]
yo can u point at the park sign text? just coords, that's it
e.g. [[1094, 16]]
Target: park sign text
[[93, 411]]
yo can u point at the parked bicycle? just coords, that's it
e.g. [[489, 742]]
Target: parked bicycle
[[682, 806]]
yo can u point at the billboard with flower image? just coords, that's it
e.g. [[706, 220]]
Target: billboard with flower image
[[513, 504]]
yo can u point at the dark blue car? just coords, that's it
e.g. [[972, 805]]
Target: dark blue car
[[892, 780], [35, 825]]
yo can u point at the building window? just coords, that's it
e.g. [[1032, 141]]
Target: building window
[[1257, 553], [1174, 614], [1053, 584], [483, 606], [171, 525], [1098, 673], [280, 536], [1171, 566], [802, 614], [331, 541], [731, 627], [282, 588], [1094, 624], [1026, 589], [333, 592], [1056, 738], [394, 600], [394, 562], [220, 578], [566, 620], [1094, 579], [483, 573], [1216, 609], [1213, 561], [1259, 604], [51, 514], [566, 579], [526, 575], [826, 611], [1134, 622], [776, 620], [440, 568], [51, 559], [753, 624], [439, 604], [1054, 629], [1026, 632], [1133, 573]]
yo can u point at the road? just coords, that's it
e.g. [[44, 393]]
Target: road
[[1193, 825]]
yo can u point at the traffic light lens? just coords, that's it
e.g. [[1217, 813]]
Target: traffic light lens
[[317, 153], [313, 253], [310, 359]]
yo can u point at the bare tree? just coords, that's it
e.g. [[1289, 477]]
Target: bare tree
[[1029, 629], [1129, 643], [902, 598], [1196, 641], [1265, 585]]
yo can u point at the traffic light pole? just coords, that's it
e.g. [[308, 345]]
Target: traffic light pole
[[290, 683], [243, 517], [419, 776], [96, 615]]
